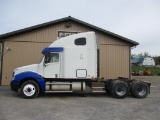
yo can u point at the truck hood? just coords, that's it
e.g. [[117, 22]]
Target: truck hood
[[30, 68]]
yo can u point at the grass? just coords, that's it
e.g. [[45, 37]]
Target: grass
[[155, 70]]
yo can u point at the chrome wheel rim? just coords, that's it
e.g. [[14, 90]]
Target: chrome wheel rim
[[141, 90], [121, 90], [29, 90]]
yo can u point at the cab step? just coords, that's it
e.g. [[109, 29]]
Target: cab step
[[97, 84], [58, 84], [98, 87], [98, 91], [57, 91]]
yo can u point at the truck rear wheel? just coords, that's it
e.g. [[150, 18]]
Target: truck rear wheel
[[120, 89], [29, 89], [140, 89]]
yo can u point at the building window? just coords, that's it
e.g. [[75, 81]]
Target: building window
[[80, 41]]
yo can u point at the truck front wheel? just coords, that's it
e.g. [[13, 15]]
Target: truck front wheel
[[29, 89], [120, 89]]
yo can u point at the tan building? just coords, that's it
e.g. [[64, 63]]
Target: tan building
[[24, 47]]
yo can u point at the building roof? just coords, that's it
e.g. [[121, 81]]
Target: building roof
[[140, 59], [69, 18]]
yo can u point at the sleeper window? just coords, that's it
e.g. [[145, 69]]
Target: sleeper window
[[80, 41]]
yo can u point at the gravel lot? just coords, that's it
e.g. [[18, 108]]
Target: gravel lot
[[78, 106]]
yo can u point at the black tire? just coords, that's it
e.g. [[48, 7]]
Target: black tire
[[29, 89], [107, 91], [108, 86], [130, 88], [140, 89], [120, 89]]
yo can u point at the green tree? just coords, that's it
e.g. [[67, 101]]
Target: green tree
[[145, 54], [157, 60]]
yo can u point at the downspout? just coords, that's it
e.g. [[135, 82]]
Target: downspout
[[1, 61]]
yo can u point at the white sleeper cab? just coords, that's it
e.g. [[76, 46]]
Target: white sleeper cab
[[71, 64]]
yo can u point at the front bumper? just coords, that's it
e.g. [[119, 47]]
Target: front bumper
[[14, 86]]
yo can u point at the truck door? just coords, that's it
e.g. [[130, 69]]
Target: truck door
[[52, 68]]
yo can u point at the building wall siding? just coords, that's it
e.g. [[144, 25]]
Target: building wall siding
[[26, 49]]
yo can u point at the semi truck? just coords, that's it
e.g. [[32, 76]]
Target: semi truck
[[72, 64]]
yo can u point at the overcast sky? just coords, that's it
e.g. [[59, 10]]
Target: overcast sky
[[138, 20]]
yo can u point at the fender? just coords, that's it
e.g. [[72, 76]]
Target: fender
[[32, 75]]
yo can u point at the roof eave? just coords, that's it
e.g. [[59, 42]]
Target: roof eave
[[32, 28], [131, 42]]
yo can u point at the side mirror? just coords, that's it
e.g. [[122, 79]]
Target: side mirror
[[47, 57]]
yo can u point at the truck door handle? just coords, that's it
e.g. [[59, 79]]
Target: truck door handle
[[81, 56], [56, 75]]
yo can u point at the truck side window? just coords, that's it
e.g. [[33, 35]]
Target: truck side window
[[54, 57], [80, 41]]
